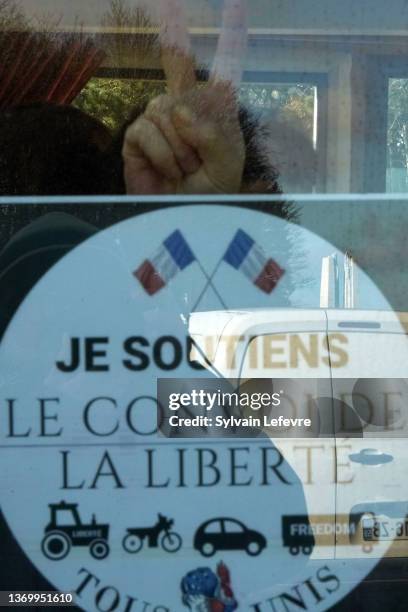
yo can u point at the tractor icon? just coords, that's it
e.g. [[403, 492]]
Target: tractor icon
[[66, 529]]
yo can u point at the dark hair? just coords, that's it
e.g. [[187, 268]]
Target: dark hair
[[60, 150], [54, 150], [257, 166]]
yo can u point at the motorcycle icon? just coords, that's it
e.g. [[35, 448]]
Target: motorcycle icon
[[158, 535]]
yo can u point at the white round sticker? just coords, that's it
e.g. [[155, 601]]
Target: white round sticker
[[101, 503]]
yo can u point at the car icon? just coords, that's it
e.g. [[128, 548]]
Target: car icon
[[227, 534]]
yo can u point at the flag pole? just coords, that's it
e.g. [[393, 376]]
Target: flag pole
[[208, 284]]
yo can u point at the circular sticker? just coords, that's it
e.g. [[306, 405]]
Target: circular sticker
[[99, 500]]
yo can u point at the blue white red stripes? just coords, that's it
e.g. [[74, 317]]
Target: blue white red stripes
[[173, 255], [245, 255]]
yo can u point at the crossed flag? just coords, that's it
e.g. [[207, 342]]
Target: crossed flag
[[175, 255], [245, 255]]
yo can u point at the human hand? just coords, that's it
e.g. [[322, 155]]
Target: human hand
[[190, 141]]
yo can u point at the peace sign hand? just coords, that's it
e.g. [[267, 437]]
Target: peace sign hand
[[190, 141]]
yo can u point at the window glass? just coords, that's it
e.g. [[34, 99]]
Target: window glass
[[204, 201], [397, 136], [232, 527], [112, 100], [214, 527]]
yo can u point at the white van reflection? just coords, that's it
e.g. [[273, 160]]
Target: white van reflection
[[359, 361]]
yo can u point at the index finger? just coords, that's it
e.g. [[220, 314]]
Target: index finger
[[177, 60], [232, 44]]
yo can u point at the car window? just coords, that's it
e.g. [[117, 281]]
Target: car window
[[214, 527], [233, 527], [287, 354]]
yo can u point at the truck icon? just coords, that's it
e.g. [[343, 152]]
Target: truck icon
[[302, 532], [66, 529], [297, 534]]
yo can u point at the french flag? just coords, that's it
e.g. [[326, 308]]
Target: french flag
[[173, 255], [245, 255]]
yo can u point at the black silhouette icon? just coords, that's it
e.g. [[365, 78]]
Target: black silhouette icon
[[227, 534], [297, 534], [170, 541], [66, 529]]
